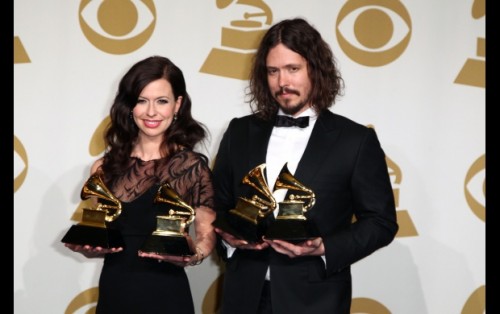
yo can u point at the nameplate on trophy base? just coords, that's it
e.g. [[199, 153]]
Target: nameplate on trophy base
[[291, 225], [172, 245], [168, 237]]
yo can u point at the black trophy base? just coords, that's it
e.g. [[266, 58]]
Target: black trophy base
[[93, 236], [241, 228], [169, 245], [292, 230]]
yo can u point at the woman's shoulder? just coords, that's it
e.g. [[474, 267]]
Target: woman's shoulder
[[189, 155], [96, 165]]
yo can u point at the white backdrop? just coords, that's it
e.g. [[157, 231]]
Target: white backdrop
[[414, 70]]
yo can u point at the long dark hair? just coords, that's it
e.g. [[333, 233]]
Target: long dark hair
[[184, 133], [302, 38]]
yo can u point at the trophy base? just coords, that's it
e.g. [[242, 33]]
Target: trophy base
[[293, 231], [170, 245], [241, 228], [93, 236]]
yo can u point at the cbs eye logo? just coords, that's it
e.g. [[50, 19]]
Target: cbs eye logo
[[475, 187], [373, 32], [117, 26], [84, 302], [20, 163]]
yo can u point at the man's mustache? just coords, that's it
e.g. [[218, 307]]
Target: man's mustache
[[287, 90]]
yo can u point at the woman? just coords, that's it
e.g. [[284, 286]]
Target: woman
[[151, 141]]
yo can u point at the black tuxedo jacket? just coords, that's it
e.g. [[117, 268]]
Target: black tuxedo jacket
[[345, 166]]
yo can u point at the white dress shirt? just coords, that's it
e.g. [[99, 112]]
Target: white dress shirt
[[286, 145]]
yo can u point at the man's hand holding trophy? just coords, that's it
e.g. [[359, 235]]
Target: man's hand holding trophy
[[253, 218]]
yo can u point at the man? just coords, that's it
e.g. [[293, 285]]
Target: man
[[294, 74]]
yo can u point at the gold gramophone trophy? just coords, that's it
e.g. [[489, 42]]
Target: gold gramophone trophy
[[92, 229], [248, 220], [169, 238], [291, 224]]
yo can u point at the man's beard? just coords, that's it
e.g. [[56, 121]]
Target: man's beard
[[293, 109]]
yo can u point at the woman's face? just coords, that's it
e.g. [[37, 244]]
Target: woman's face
[[155, 109]]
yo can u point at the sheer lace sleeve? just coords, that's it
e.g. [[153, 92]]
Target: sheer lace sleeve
[[190, 176]]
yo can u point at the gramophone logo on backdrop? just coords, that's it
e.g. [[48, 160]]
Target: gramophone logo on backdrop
[[473, 72], [406, 226], [117, 26], [20, 54], [373, 33], [239, 42]]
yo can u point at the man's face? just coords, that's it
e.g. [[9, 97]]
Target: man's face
[[288, 79]]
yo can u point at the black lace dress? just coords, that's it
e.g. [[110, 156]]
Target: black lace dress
[[129, 284]]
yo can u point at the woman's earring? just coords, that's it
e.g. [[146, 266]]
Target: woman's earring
[[175, 116], [131, 116]]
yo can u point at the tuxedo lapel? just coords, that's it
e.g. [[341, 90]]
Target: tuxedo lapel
[[324, 134], [259, 134]]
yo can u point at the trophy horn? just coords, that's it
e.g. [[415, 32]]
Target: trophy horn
[[105, 199], [256, 179], [286, 180], [166, 194]]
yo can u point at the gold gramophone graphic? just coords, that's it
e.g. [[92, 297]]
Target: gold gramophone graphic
[[92, 229], [239, 42], [169, 236], [248, 220], [291, 224], [473, 72]]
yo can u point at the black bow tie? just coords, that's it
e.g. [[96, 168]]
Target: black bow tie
[[301, 122]]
